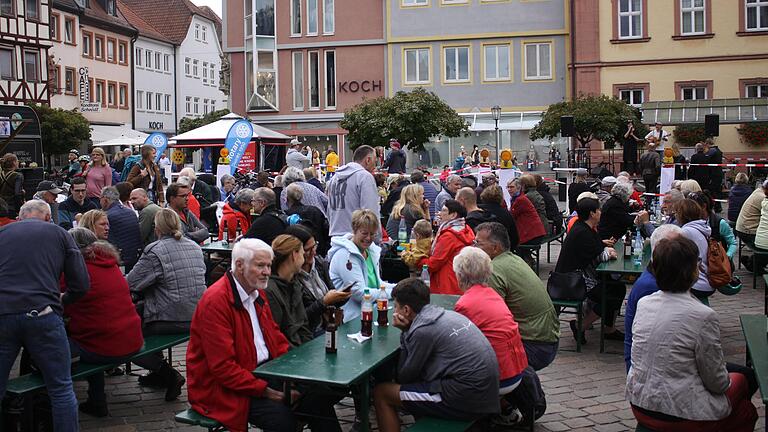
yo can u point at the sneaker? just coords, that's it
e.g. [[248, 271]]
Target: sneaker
[[508, 418], [614, 335], [153, 379], [575, 333], [94, 409], [112, 372]]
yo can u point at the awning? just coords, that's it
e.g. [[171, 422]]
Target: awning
[[693, 111], [217, 132], [123, 142], [102, 133], [482, 121]]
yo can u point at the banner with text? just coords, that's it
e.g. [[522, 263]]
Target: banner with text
[[238, 137]]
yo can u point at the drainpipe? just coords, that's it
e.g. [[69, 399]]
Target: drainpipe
[[176, 94], [133, 83], [573, 49]]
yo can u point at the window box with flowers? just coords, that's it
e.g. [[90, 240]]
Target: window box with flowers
[[687, 135], [754, 134]]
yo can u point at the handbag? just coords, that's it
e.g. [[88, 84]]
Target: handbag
[[567, 286]]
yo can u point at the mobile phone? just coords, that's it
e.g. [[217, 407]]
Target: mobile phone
[[348, 286]]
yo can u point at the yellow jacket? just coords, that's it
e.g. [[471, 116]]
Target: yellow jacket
[[331, 161], [418, 251]]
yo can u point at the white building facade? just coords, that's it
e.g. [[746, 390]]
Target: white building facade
[[198, 62], [154, 75]]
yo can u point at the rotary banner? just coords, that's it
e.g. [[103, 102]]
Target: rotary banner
[[238, 137]]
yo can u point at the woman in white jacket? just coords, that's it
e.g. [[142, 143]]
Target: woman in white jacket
[[354, 258], [692, 219]]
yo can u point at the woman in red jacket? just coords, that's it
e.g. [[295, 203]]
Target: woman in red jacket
[[103, 327], [452, 236], [488, 311], [529, 226]]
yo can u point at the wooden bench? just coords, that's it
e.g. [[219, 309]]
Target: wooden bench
[[535, 248], [431, 424], [192, 417], [28, 384], [756, 252], [572, 307]]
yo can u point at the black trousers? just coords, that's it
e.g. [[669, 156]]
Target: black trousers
[[315, 406], [614, 298]]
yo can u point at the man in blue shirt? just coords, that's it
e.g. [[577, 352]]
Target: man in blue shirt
[[33, 255], [645, 285]]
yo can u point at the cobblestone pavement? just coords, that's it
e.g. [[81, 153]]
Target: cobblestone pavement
[[585, 391]]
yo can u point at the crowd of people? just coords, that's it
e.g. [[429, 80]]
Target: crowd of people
[[125, 262]]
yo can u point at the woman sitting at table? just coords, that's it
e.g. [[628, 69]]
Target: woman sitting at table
[[410, 207], [583, 251], [170, 275], [452, 236], [488, 311], [615, 219], [678, 380], [103, 327], [693, 221], [354, 259], [317, 291], [284, 291]]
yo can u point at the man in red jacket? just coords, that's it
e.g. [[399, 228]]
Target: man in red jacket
[[239, 211], [232, 332]]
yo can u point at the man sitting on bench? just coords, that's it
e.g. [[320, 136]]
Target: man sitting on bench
[[233, 332], [447, 367]]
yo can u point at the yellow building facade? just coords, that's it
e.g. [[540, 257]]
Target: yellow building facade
[[670, 50]]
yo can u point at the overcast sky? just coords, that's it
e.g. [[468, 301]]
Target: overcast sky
[[213, 4]]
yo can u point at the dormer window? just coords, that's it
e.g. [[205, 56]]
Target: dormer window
[[111, 9]]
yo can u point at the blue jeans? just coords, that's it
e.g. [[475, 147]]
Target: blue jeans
[[46, 340], [540, 354]]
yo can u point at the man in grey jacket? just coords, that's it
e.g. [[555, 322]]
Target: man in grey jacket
[[295, 158], [447, 367], [352, 188]]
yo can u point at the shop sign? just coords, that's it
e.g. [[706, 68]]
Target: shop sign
[[365, 86]]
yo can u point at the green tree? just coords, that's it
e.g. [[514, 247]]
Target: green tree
[[594, 118], [189, 123], [409, 117], [61, 130]]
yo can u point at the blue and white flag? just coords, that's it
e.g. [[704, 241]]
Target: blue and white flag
[[159, 141], [238, 137]]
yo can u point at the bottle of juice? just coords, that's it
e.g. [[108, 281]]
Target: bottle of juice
[[382, 304], [366, 327]]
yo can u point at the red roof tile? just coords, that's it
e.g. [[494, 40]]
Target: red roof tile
[[145, 29], [170, 18]]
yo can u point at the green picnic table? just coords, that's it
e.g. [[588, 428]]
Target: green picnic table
[[624, 267], [755, 328], [351, 366], [218, 247]]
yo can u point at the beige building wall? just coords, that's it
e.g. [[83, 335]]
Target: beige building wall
[[723, 56]]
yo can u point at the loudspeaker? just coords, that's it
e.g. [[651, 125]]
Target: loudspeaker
[[711, 125], [566, 126]]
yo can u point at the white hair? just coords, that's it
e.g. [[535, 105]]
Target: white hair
[[184, 181], [622, 191], [188, 172], [291, 175], [246, 248], [666, 231], [34, 209], [472, 267], [225, 178]]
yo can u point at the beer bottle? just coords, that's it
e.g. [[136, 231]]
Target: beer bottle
[[330, 331], [382, 304], [225, 235]]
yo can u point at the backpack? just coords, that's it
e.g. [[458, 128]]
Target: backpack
[[528, 397], [718, 266], [130, 161]]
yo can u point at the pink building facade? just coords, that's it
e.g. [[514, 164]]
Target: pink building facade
[[297, 65]]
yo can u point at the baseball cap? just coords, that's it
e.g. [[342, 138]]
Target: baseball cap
[[584, 195], [48, 186], [608, 180], [295, 142]]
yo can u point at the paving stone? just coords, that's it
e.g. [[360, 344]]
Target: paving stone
[[578, 422], [556, 426]]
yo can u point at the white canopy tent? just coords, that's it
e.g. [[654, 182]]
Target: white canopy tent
[[216, 132], [101, 134]]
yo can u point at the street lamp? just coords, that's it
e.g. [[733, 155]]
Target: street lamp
[[496, 112]]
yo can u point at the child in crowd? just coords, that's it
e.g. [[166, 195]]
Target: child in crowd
[[422, 236]]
